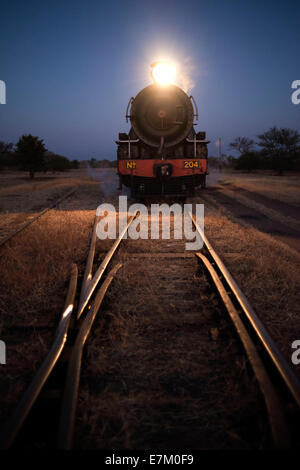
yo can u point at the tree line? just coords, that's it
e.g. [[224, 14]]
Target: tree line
[[30, 154], [93, 163], [276, 149]]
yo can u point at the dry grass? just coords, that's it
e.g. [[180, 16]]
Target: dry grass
[[284, 188], [152, 371], [21, 198], [36, 264], [19, 184], [35, 269]]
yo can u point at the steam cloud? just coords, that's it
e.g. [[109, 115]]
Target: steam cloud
[[187, 70]]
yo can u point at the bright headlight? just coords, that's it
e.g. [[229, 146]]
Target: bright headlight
[[163, 73]]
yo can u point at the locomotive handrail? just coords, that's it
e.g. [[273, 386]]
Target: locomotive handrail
[[128, 142], [131, 141], [161, 146], [128, 106], [195, 105], [195, 141]]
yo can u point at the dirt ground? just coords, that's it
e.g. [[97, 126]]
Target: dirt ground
[[285, 188], [269, 203], [157, 310]]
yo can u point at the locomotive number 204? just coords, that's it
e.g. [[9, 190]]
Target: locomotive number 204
[[190, 164]]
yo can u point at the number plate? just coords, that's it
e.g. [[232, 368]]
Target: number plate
[[131, 164], [191, 164]]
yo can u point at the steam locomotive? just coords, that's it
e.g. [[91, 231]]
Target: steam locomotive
[[162, 154]]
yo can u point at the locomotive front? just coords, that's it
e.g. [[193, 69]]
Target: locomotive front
[[162, 154]]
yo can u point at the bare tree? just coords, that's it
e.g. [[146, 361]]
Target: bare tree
[[242, 145], [5, 148]]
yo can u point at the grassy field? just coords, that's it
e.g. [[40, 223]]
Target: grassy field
[[22, 197], [35, 268]]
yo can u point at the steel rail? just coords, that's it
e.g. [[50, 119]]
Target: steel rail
[[287, 374], [68, 410], [29, 222], [89, 263], [14, 424], [274, 407], [99, 273]]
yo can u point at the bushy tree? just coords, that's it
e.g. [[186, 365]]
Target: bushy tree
[[75, 164], [249, 161], [54, 162], [277, 142], [6, 154], [280, 146], [93, 162], [30, 153]]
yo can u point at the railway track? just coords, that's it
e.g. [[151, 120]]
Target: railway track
[[272, 373], [279, 386], [12, 428], [9, 236]]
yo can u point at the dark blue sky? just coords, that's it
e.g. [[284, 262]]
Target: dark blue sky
[[70, 67]]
